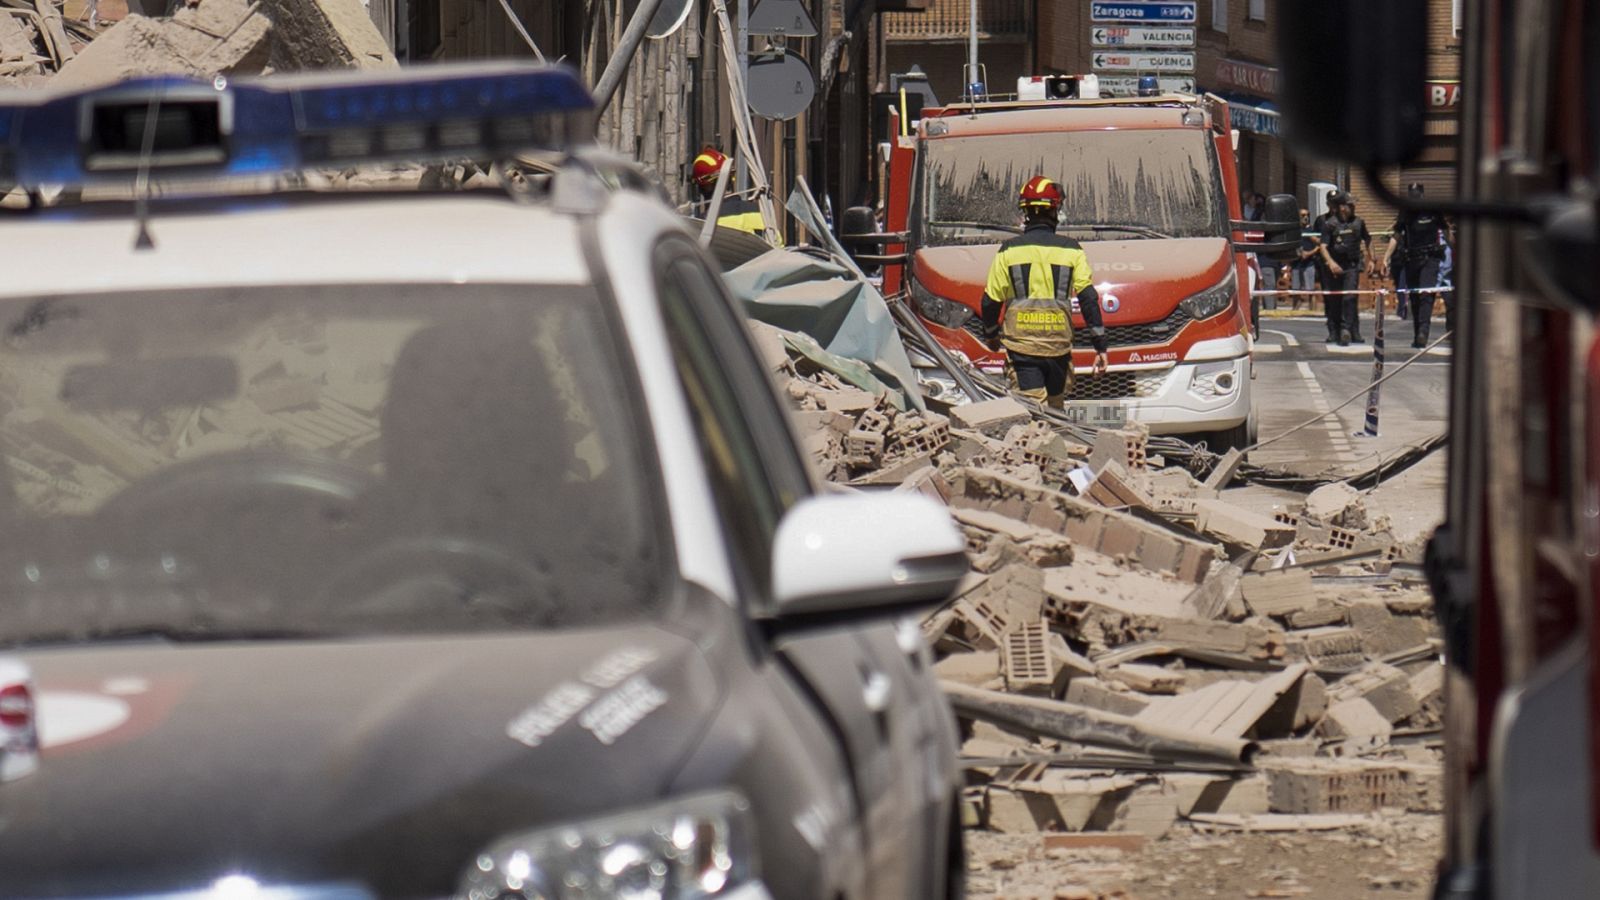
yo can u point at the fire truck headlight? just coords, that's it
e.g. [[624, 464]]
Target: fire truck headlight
[[939, 310], [1211, 301]]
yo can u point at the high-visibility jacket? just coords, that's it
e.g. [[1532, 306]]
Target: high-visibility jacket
[[741, 215], [1029, 295]]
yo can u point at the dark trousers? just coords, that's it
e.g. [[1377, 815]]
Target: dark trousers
[[1330, 301], [1422, 273], [1047, 379], [1343, 309]]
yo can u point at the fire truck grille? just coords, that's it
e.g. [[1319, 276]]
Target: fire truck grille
[[1149, 332], [1117, 386]]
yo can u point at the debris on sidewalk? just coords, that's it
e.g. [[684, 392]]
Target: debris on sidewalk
[[1135, 650]]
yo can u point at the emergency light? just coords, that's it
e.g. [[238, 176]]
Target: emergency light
[[290, 123]]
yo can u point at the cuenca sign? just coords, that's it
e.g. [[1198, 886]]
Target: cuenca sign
[[1444, 94], [1141, 36], [1178, 12], [1178, 62], [1250, 78]]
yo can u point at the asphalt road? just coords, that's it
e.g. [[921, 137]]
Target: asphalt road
[[1299, 376]]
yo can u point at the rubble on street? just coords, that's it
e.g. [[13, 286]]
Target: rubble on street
[[201, 39], [1131, 650]]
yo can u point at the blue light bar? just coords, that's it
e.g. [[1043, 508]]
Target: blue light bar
[[290, 123]]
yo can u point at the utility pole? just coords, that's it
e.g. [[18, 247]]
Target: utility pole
[[744, 74], [972, 44]]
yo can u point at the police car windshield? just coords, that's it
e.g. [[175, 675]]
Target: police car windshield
[[1133, 184], [317, 461]]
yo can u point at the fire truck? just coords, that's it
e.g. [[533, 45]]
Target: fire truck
[[1152, 194], [1515, 569]]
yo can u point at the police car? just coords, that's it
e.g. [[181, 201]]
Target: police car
[[428, 544]]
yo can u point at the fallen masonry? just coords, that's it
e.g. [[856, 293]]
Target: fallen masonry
[[1133, 649]]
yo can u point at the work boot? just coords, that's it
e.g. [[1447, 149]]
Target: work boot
[[1344, 338]]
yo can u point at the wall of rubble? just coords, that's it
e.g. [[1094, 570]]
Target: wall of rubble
[[1131, 648]]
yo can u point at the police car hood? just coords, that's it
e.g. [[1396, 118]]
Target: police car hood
[[388, 763], [1147, 277]]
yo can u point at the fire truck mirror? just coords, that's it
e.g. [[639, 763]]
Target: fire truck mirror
[[857, 223], [1364, 109]]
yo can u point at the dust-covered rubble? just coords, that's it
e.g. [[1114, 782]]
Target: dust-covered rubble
[[1133, 652]]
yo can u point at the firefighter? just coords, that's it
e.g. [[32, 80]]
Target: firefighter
[[1027, 305], [738, 213], [1419, 238], [1346, 250]]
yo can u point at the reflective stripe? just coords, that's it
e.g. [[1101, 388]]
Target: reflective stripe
[[1019, 280]]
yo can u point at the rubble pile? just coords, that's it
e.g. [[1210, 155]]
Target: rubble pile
[[201, 39], [1133, 649]]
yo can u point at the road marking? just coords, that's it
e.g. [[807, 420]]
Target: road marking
[[1269, 348], [1289, 340], [1352, 350], [1331, 423]]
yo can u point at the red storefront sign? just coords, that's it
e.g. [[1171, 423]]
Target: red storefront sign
[[1444, 95], [1249, 78]]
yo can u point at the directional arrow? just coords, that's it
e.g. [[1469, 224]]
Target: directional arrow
[[1099, 35]]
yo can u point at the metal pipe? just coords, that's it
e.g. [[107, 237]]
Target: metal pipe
[[972, 42], [622, 56]]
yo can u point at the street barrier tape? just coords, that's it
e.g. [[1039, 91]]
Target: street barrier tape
[[1368, 292]]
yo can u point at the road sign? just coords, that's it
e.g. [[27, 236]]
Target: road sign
[[1173, 62], [1128, 85], [1145, 12], [1142, 36]]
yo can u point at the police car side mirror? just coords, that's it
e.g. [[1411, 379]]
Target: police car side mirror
[[843, 559], [1362, 108]]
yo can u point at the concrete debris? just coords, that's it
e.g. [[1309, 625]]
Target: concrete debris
[[1128, 627], [200, 39]]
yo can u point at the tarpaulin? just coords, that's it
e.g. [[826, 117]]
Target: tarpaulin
[[846, 316]]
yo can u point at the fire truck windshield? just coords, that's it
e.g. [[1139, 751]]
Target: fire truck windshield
[[1117, 185]]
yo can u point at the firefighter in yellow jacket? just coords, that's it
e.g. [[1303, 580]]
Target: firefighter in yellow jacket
[[1027, 305], [737, 213]]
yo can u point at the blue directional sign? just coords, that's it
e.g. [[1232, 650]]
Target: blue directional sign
[[1162, 12]]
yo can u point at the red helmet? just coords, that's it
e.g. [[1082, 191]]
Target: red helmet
[[707, 165], [1039, 194]]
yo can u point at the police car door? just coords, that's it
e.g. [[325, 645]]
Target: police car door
[[885, 713]]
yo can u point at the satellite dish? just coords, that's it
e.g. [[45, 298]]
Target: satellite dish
[[669, 17], [780, 85], [782, 17]]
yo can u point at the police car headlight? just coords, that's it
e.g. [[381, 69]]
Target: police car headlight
[[1211, 301], [694, 847], [939, 310]]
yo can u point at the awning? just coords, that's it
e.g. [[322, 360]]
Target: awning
[[1252, 114]]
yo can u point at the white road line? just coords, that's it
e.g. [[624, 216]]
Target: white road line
[[1352, 350], [1269, 348], [1331, 423], [1289, 340]]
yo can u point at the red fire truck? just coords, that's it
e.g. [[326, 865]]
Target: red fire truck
[[1151, 192]]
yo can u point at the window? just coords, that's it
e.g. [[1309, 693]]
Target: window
[[1455, 18], [1258, 10], [1219, 15], [755, 472]]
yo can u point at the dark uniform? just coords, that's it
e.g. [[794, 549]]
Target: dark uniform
[[1028, 304], [1344, 240], [1420, 250], [1330, 305]]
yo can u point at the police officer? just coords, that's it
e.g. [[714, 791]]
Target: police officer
[[738, 213], [1346, 250], [1027, 305], [1419, 238], [1330, 304]]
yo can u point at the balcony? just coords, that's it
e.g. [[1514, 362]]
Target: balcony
[[946, 20]]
